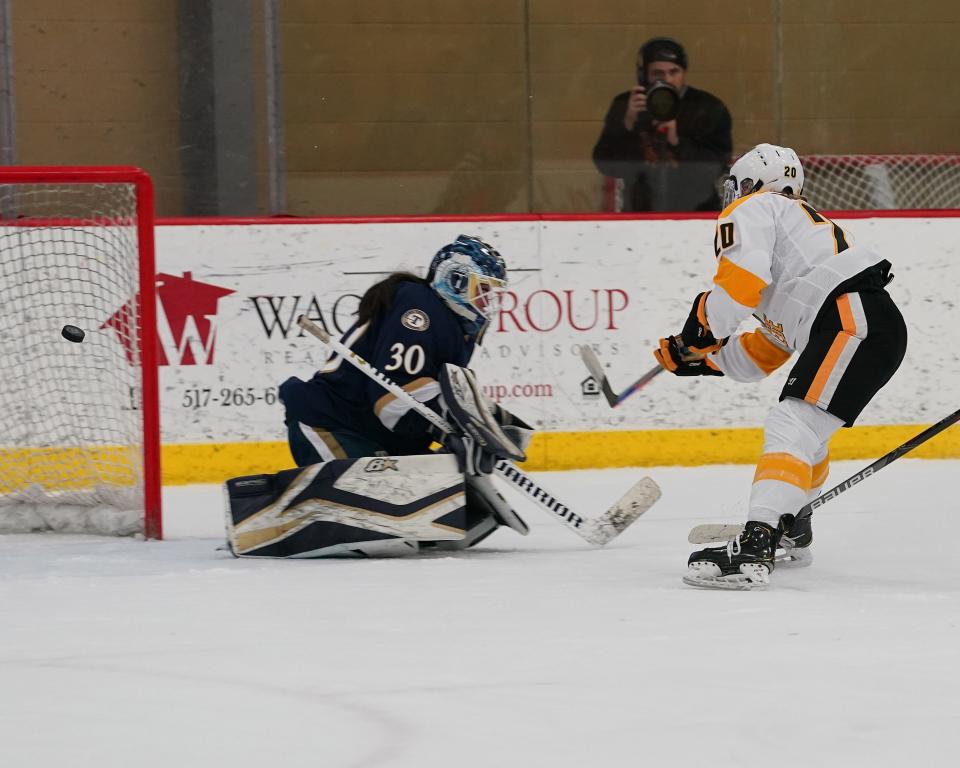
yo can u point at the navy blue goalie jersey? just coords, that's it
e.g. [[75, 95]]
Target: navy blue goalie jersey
[[409, 343]]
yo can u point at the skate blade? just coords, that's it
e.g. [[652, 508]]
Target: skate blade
[[752, 576], [794, 558]]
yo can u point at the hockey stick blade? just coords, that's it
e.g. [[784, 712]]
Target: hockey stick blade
[[624, 513], [714, 532], [593, 364]]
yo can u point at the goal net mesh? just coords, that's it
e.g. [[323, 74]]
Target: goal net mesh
[[71, 427], [875, 182]]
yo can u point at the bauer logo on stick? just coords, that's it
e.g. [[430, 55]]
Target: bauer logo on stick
[[72, 333]]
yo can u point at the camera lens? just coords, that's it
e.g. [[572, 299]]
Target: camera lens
[[662, 102]]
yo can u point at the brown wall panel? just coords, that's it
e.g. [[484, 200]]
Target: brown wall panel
[[460, 191], [96, 10], [392, 97], [402, 13], [694, 12], [869, 11], [454, 106], [108, 143], [386, 48], [96, 83], [560, 190], [397, 147]]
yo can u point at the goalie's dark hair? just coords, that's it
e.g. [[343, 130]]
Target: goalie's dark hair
[[378, 298]]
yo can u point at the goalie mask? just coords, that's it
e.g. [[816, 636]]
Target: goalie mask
[[468, 274], [765, 167]]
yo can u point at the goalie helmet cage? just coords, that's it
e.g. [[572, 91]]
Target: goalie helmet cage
[[80, 427]]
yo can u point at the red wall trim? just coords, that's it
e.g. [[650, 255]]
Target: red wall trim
[[210, 221]]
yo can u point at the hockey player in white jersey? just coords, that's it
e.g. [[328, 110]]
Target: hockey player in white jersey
[[814, 293]]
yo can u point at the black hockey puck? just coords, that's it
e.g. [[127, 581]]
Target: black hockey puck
[[72, 333]]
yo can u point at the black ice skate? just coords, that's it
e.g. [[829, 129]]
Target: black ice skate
[[796, 536], [744, 563]]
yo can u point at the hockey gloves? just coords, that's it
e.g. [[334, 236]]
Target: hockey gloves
[[686, 354], [680, 362], [696, 335]]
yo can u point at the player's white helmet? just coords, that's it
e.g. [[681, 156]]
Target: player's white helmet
[[767, 167]]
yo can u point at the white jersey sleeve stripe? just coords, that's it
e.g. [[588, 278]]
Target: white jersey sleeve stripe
[[323, 442], [391, 409]]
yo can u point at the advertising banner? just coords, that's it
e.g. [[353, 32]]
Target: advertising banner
[[230, 296]]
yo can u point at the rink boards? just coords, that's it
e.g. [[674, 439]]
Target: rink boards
[[230, 292]]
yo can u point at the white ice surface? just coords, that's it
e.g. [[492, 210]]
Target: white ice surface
[[536, 651]]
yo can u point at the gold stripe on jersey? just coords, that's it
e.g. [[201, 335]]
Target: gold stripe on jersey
[[820, 471], [784, 468], [766, 355], [739, 201], [410, 386], [840, 243], [743, 286], [333, 445]]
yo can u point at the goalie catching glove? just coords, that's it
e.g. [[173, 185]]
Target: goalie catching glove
[[483, 433]]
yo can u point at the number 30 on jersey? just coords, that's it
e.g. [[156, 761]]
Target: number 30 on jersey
[[410, 359]]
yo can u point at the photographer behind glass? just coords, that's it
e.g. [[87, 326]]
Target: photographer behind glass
[[669, 142]]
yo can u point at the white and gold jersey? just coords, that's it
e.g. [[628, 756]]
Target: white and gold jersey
[[779, 259]]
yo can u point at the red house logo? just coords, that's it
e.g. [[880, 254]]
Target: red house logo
[[186, 321]]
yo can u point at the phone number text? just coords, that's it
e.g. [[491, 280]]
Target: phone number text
[[203, 397]]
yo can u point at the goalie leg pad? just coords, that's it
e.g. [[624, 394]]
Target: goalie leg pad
[[487, 510], [362, 507]]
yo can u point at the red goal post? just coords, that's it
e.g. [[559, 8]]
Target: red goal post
[[80, 431]]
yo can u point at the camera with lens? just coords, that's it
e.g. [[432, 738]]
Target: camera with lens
[[663, 100]]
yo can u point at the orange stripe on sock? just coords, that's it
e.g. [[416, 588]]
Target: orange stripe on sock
[[784, 468]]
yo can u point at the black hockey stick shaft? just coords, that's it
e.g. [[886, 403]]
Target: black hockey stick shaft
[[879, 464], [595, 367]]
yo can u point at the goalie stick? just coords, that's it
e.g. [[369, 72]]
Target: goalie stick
[[595, 367], [598, 531], [718, 532]]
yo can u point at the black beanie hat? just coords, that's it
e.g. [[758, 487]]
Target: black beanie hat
[[663, 49]]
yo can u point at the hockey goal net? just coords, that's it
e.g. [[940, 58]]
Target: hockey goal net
[[861, 182], [876, 182], [79, 424]]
